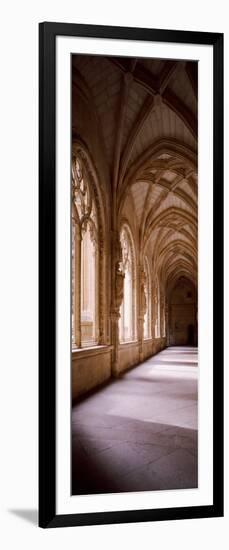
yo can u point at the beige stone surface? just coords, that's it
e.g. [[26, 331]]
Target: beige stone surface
[[90, 368]]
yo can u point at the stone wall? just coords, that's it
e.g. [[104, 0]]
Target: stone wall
[[128, 355], [91, 367]]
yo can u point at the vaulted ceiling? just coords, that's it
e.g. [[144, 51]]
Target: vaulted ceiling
[[147, 114]]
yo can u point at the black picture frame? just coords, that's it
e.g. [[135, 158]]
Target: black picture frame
[[47, 273]]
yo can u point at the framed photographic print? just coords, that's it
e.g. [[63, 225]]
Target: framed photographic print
[[131, 275]]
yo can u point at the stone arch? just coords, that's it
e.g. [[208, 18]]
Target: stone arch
[[182, 312], [97, 195]]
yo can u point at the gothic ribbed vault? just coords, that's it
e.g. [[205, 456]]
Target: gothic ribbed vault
[[137, 120]]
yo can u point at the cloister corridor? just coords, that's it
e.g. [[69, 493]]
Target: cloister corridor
[[139, 432], [134, 263]]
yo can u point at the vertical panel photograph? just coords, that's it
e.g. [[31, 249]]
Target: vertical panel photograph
[[134, 274]]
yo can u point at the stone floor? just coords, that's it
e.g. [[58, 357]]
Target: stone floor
[[139, 432]]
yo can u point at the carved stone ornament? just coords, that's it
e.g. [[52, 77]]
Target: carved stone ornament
[[144, 302], [143, 292], [119, 286]]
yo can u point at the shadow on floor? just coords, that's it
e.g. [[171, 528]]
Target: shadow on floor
[[139, 432], [30, 515], [132, 455], [176, 363]]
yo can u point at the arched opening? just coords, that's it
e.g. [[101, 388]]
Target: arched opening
[[88, 287], [183, 314], [85, 258]]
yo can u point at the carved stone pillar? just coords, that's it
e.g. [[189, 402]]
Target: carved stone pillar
[[162, 315], [115, 315], [77, 259], [167, 322], [154, 314], [115, 342], [196, 325], [142, 310], [97, 323], [117, 290], [103, 302]]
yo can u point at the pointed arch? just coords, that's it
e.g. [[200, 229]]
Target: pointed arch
[[88, 268]]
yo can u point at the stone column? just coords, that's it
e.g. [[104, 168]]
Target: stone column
[[77, 259], [162, 314], [115, 342], [154, 313], [103, 263], [196, 325], [167, 322], [97, 316], [117, 290], [170, 325], [142, 311]]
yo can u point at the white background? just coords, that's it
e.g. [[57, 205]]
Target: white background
[[18, 288]]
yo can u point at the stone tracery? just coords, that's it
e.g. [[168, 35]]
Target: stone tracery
[[87, 303]]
